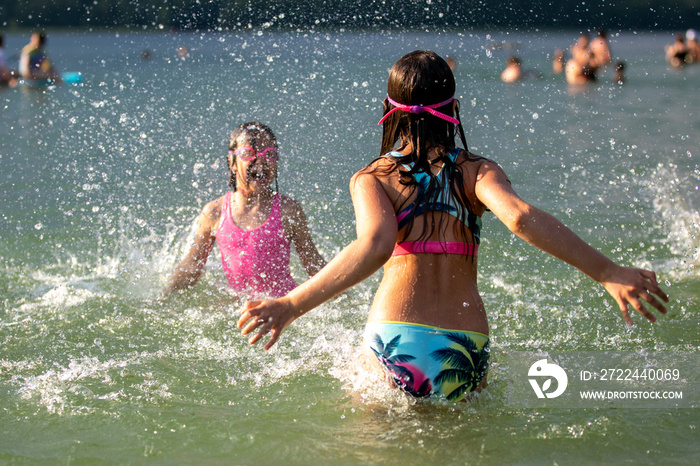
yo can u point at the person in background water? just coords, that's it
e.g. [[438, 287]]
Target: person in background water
[[6, 76], [581, 48], [582, 66], [418, 209], [252, 224], [34, 63], [693, 46], [558, 61], [677, 54], [619, 74], [513, 71], [600, 48]]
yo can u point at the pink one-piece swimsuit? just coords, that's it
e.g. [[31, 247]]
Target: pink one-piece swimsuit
[[256, 262]]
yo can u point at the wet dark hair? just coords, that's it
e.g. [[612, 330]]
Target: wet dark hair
[[514, 60], [424, 78], [2, 40], [253, 130], [420, 78]]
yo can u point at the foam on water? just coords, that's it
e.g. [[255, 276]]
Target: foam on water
[[61, 297], [60, 389]]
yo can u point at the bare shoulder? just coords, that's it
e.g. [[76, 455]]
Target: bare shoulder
[[211, 212], [487, 167], [490, 166], [489, 177], [476, 166], [290, 207], [364, 178], [379, 170]]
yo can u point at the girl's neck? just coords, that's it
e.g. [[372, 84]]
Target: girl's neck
[[250, 210], [407, 149], [253, 197]]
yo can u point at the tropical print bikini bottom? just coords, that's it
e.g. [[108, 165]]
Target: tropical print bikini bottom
[[425, 361]]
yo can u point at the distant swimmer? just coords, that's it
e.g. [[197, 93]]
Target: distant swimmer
[[600, 48], [513, 71], [581, 50], [182, 52], [677, 54], [619, 73], [691, 41], [582, 67], [558, 61], [34, 62], [6, 76], [253, 224], [578, 71]]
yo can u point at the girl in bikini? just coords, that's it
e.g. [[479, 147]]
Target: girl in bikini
[[418, 209], [252, 224]]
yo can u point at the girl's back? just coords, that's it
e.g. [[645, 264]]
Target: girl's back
[[434, 289]]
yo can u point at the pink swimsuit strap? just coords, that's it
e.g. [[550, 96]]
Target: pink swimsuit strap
[[435, 247]]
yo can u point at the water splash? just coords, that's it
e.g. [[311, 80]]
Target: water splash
[[673, 194]]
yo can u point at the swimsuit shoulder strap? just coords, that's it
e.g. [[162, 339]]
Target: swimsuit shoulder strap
[[275, 219], [276, 211], [225, 214], [226, 207]]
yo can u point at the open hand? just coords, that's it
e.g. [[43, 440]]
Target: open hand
[[269, 316], [630, 286]]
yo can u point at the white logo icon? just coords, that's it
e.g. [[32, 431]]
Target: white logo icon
[[544, 369]]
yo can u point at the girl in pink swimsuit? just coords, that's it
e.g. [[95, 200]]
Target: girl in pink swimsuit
[[253, 225], [418, 208]]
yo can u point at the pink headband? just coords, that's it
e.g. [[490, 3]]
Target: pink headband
[[419, 109]]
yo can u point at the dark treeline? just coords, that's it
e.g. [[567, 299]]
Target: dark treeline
[[350, 14]]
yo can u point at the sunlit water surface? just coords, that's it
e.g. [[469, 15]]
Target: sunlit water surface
[[101, 184]]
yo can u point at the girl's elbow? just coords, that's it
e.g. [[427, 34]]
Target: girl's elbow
[[381, 247], [374, 247], [384, 255], [519, 221]]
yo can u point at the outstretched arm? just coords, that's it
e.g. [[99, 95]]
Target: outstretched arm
[[376, 235], [188, 271], [629, 286]]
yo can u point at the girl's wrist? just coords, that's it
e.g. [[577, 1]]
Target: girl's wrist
[[292, 305], [606, 274]]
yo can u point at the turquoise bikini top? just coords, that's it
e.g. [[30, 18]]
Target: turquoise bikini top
[[444, 202]]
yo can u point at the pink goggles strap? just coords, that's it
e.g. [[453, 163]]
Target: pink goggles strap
[[420, 109]]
